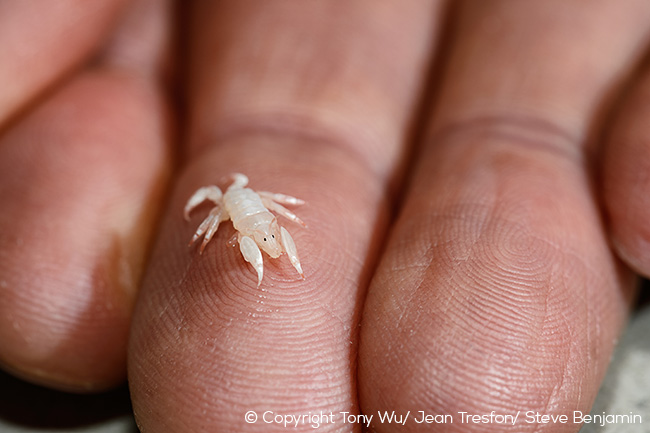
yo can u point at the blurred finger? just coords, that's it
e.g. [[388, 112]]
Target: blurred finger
[[626, 164], [40, 42], [81, 177]]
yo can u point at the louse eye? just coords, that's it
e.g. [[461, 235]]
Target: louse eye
[[273, 236], [264, 239]]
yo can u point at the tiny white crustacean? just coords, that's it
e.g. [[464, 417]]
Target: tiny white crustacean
[[250, 213]]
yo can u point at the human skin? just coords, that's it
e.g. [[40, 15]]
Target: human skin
[[474, 178]]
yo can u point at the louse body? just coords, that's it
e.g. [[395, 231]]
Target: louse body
[[250, 212]]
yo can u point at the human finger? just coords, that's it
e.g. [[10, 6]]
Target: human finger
[[41, 42], [625, 180], [498, 290], [81, 176], [309, 99]]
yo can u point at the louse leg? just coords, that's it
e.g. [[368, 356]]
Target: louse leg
[[281, 198], [209, 225], [252, 255], [290, 248], [212, 193], [239, 180], [218, 218], [281, 210]]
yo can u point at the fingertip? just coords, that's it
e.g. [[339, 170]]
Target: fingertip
[[627, 206], [625, 182], [65, 329], [204, 329], [497, 300], [75, 225], [632, 247]]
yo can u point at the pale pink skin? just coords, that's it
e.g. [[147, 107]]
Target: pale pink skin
[[500, 283]]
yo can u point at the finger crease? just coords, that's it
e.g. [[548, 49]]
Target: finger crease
[[532, 132], [359, 144]]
